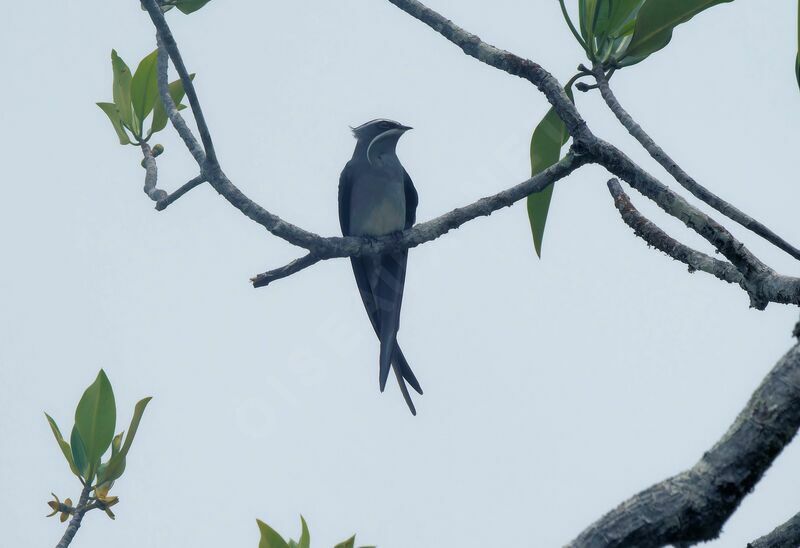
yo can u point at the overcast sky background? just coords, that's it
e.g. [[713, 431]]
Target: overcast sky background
[[554, 389]]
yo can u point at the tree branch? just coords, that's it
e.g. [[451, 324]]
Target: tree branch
[[263, 280], [162, 199], [764, 285], [165, 202], [75, 523], [692, 506], [503, 60], [681, 176], [760, 279], [654, 236], [785, 536]]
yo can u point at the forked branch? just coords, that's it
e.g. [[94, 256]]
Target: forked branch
[[685, 180]]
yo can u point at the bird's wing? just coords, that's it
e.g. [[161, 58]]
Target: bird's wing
[[412, 199], [359, 264], [345, 188]]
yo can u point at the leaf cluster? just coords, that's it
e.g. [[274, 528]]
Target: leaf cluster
[[614, 34], [136, 97], [93, 435]]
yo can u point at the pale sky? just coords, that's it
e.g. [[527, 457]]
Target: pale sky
[[554, 388]]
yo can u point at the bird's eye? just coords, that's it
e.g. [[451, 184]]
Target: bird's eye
[[385, 125]]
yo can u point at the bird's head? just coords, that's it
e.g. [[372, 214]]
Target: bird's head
[[378, 137]]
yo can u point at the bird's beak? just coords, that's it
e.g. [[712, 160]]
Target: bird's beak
[[406, 128]]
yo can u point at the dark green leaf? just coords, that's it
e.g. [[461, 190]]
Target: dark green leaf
[[305, 536], [79, 454], [546, 142], [144, 87], [269, 537], [113, 114], [122, 90], [96, 417], [656, 21], [189, 6], [349, 543], [65, 448], [177, 92], [623, 16], [116, 464]]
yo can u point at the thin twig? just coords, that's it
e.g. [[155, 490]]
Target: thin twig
[[165, 202], [654, 236], [162, 67], [764, 285], [685, 180], [168, 41], [263, 280], [151, 174], [75, 523]]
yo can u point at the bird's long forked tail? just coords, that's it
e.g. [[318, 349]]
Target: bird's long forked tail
[[404, 389], [402, 371], [387, 287]]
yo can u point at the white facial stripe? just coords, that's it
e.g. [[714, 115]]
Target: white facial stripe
[[378, 121], [383, 135]]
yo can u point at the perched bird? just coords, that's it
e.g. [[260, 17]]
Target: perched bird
[[376, 198]]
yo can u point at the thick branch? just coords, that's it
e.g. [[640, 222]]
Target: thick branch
[[654, 236], [693, 506], [785, 536], [681, 176], [75, 523]]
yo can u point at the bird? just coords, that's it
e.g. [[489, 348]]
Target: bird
[[377, 198]]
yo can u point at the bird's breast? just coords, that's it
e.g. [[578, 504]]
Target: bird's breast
[[377, 207]]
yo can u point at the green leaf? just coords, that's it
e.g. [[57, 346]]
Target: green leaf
[[613, 26], [546, 142], [144, 87], [797, 60], [587, 11], [177, 92], [189, 6], [623, 16], [96, 417], [305, 536], [116, 443], [349, 543], [269, 537], [656, 21], [79, 454], [122, 90], [65, 448], [116, 464], [113, 114]]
